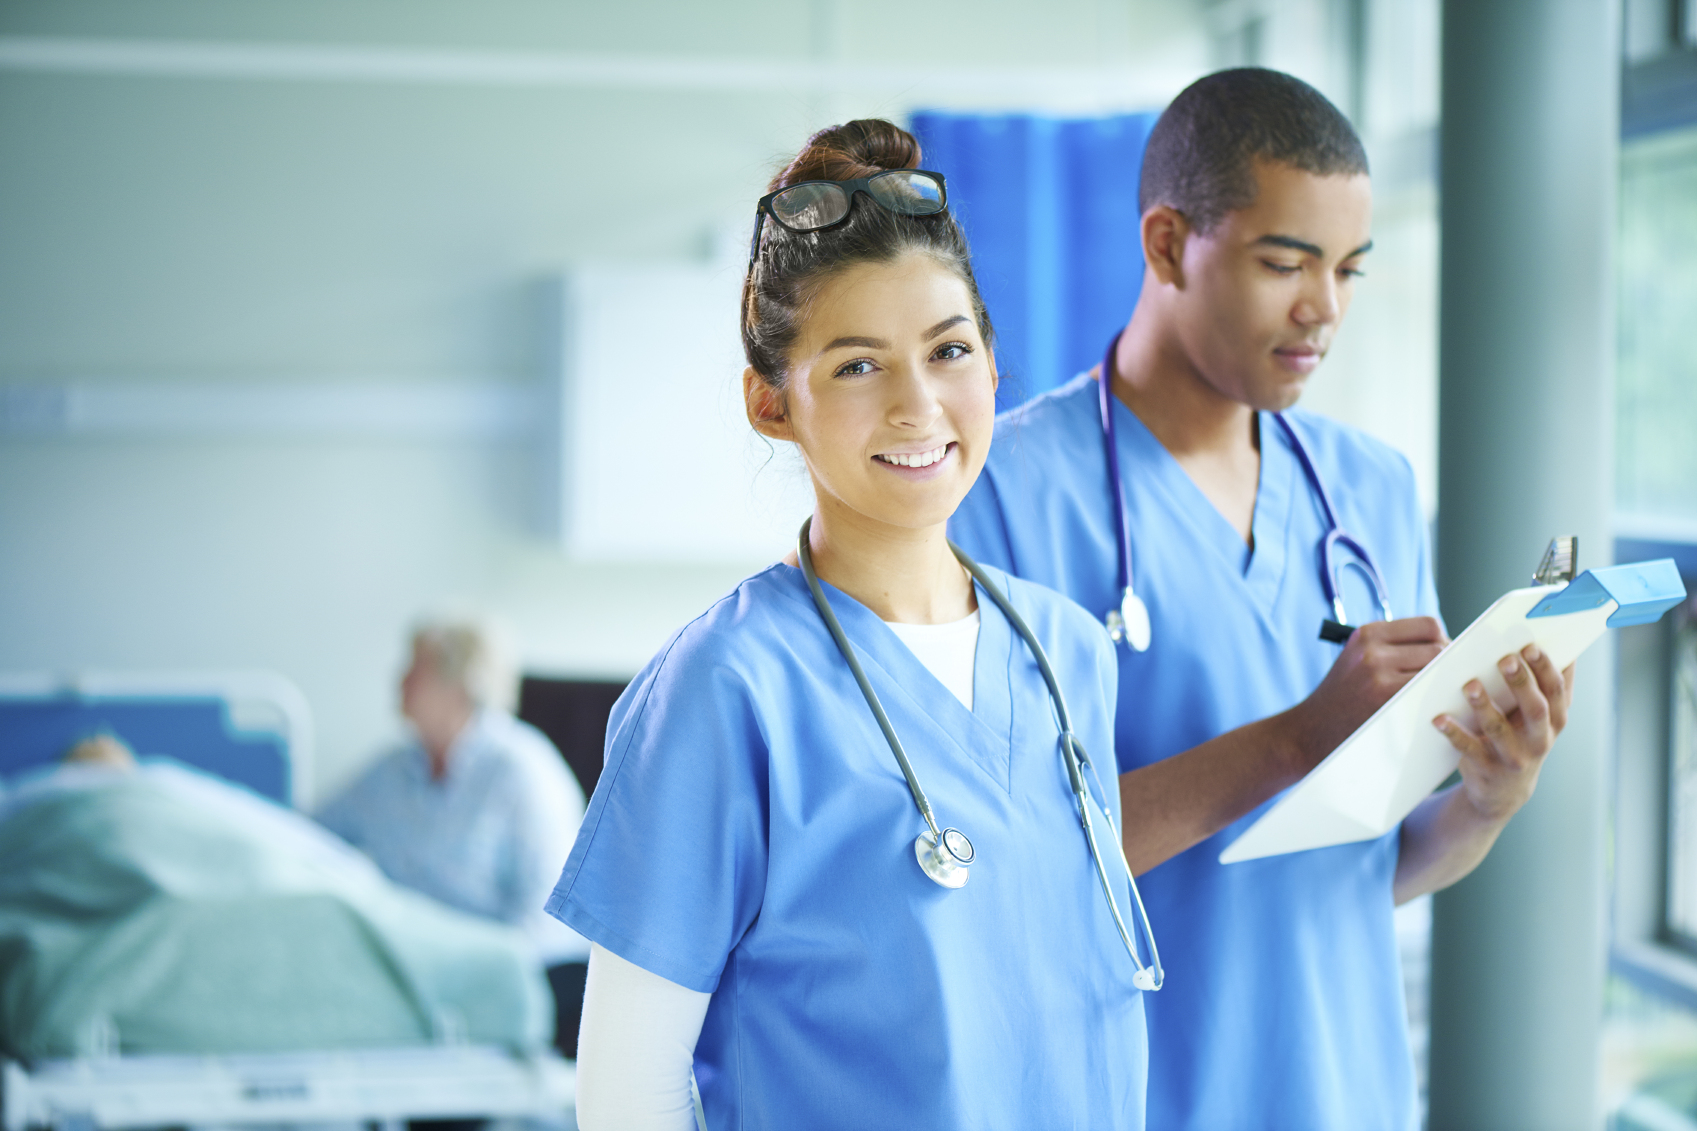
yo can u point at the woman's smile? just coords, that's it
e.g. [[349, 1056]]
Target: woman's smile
[[918, 464]]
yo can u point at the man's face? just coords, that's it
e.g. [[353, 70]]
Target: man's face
[[428, 698], [1267, 288]]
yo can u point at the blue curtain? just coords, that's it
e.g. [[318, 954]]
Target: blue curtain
[[1050, 205]]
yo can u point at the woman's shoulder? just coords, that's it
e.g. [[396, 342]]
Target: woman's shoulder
[[737, 641], [1052, 615], [702, 703], [756, 610]]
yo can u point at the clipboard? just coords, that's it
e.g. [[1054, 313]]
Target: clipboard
[[1376, 777]]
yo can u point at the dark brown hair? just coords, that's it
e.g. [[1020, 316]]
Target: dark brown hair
[[789, 267], [1201, 154]]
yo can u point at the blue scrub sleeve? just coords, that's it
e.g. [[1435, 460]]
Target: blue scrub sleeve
[[979, 528], [670, 865]]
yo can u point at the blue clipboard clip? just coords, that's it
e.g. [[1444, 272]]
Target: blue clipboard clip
[[1643, 590]]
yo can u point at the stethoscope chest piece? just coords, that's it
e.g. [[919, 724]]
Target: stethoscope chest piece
[[945, 860], [1130, 622], [945, 854]]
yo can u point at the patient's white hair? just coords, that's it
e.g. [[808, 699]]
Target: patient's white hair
[[475, 654]]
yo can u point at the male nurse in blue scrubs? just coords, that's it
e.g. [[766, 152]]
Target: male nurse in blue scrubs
[[1283, 1008]]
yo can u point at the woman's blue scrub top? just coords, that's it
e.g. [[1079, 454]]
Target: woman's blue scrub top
[[752, 837], [1283, 1005]]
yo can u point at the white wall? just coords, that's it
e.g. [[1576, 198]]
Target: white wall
[[307, 558], [259, 197], [349, 194]]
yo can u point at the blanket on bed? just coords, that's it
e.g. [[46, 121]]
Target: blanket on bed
[[177, 913]]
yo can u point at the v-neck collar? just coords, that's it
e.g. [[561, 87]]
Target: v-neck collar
[[985, 733], [1150, 466]]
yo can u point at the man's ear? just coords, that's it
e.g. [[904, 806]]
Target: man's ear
[[1165, 231], [765, 407]]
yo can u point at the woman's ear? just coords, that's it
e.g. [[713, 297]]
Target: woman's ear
[[1164, 231], [765, 407]]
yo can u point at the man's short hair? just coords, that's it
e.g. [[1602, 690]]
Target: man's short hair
[[1201, 155], [475, 655]]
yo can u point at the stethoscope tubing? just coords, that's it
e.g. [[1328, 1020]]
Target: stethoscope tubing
[[1076, 757], [1335, 535], [1116, 484], [804, 553], [1330, 583]]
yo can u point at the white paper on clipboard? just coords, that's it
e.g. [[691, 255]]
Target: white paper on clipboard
[[1377, 776]]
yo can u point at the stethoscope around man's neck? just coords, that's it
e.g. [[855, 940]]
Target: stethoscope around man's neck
[[945, 853], [1130, 621]]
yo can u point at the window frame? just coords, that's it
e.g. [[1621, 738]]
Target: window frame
[[1682, 618], [1645, 949]]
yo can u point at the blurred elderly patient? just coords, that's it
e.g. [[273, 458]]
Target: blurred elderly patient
[[101, 750], [477, 810]]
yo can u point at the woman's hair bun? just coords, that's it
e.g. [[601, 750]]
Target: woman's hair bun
[[788, 266], [850, 151]]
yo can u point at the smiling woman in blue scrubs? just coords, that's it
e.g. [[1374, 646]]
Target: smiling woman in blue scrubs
[[747, 869]]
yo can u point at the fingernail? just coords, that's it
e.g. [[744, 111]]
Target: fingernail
[[1475, 692], [1510, 666], [1439, 722], [1532, 654]]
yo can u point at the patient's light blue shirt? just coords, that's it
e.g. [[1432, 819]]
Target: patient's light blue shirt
[[488, 838], [1283, 1006], [752, 837]]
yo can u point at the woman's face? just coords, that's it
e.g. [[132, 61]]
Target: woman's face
[[891, 396]]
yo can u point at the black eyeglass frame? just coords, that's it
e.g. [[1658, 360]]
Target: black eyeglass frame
[[763, 208]]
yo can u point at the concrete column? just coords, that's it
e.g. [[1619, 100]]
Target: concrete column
[[1529, 145]]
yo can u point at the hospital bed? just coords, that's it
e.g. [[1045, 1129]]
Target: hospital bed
[[253, 729]]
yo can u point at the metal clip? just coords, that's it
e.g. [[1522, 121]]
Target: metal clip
[[1561, 562]]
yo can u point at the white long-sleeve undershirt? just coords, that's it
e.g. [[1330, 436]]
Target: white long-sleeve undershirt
[[635, 1048]]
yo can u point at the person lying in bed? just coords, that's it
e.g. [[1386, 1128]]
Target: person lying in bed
[[178, 913]]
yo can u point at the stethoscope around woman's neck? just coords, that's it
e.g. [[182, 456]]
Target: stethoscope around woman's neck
[[945, 854], [1130, 621]]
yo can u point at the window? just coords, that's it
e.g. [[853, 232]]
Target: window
[[1656, 399], [1650, 1030]]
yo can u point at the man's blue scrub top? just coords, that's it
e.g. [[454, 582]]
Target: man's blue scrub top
[[752, 837], [1283, 1005]]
